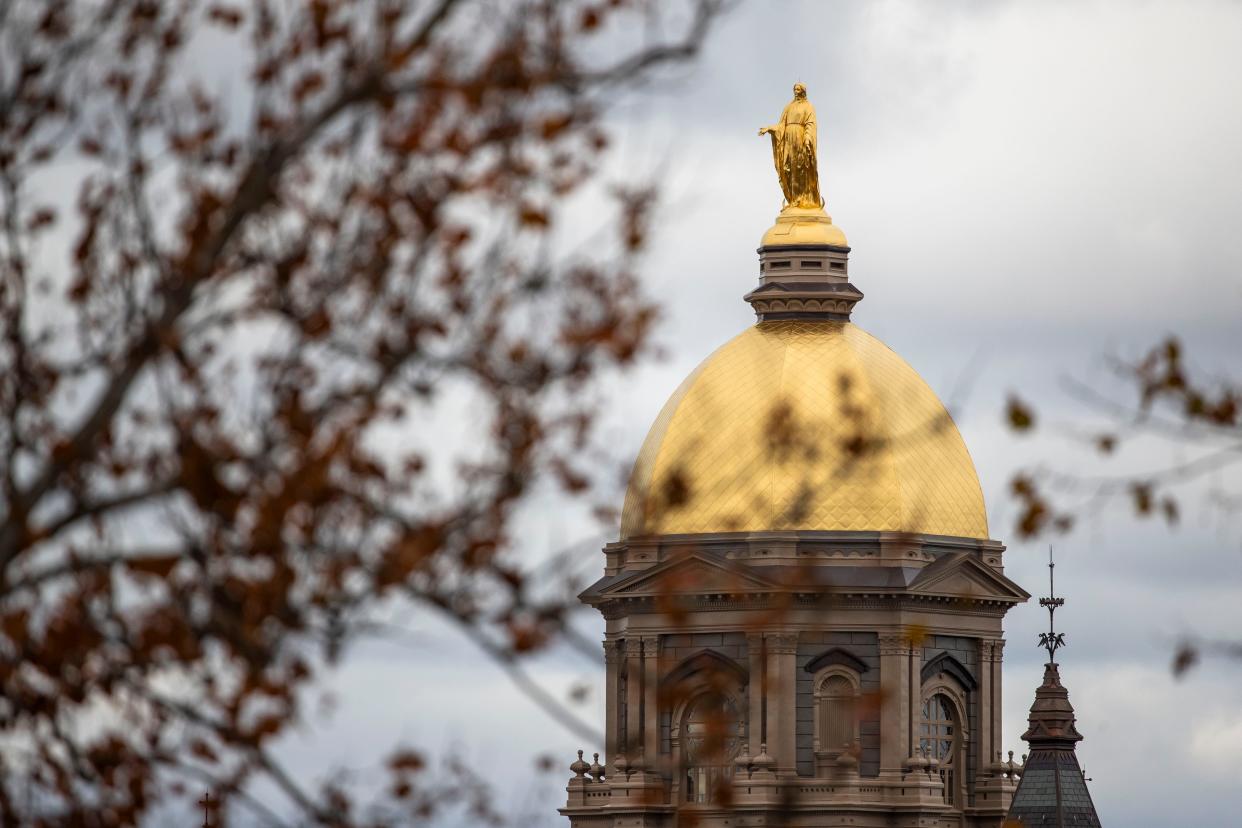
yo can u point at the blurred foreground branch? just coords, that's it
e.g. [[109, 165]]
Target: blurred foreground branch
[[253, 258]]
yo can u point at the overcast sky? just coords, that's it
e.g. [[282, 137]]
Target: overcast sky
[[1028, 188]]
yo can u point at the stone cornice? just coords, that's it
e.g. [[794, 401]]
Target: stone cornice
[[800, 548], [623, 607]]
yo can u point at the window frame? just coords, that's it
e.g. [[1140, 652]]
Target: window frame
[[826, 755], [955, 790], [704, 672], [687, 764]]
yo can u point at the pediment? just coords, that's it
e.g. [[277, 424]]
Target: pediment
[[963, 576], [696, 573]]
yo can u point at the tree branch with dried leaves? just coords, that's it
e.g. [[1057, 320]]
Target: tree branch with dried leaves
[[217, 354], [1163, 397]]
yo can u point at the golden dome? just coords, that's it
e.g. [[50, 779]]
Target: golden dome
[[804, 425]]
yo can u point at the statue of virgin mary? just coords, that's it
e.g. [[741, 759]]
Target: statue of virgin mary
[[794, 152]]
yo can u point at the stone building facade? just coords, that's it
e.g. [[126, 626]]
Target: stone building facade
[[804, 608]]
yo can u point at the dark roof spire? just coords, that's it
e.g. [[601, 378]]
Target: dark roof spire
[[1053, 791]]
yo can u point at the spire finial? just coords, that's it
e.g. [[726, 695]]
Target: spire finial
[[1051, 640]]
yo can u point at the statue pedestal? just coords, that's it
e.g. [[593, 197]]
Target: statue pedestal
[[804, 269], [804, 225]]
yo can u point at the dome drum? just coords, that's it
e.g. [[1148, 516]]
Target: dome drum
[[804, 281], [813, 263], [776, 300]]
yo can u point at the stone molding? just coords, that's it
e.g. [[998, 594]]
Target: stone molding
[[948, 665], [651, 646], [633, 648], [800, 547], [613, 652], [839, 657], [625, 607], [766, 306]]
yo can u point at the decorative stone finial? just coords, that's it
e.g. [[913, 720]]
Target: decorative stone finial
[[742, 760], [579, 767], [597, 770], [1012, 770], [763, 761], [933, 764]]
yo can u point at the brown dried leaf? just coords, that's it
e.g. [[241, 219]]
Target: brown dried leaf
[[1187, 656], [1019, 415]]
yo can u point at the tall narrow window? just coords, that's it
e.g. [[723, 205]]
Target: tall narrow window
[[939, 737], [837, 714], [710, 740]]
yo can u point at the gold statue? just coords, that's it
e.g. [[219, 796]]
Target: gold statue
[[793, 152]]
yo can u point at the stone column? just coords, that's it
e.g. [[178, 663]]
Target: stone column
[[992, 669], [633, 700], [894, 703], [914, 718], [993, 793], [755, 690], [651, 704], [783, 701], [986, 738], [612, 704]]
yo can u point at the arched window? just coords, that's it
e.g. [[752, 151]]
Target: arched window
[[940, 738], [710, 743]]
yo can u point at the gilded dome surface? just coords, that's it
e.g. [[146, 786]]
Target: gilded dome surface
[[806, 425]]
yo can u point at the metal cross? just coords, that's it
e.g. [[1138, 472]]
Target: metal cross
[[1051, 640]]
